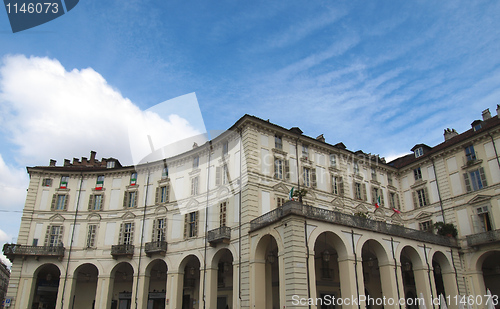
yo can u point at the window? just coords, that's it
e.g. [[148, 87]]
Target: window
[[54, 235], [133, 179], [360, 191], [59, 202], [470, 154], [64, 182], [482, 222], [91, 233], [389, 179], [377, 196], [191, 225], [35, 242], [164, 173], [417, 173], [356, 168], [305, 151], [477, 127], [278, 142], [420, 197], [194, 185], [126, 233], [222, 213], [110, 164], [419, 152], [307, 176], [159, 229], [225, 148], [196, 162], [99, 183], [426, 226], [475, 180], [162, 194], [221, 175], [374, 174], [393, 200], [280, 201], [337, 185], [130, 199], [96, 202], [47, 182], [333, 160]]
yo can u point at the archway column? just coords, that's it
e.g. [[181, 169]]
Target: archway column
[[236, 296], [70, 291], [211, 287], [142, 290], [258, 288], [60, 293], [27, 286], [175, 285], [423, 285], [389, 284], [476, 282], [450, 286], [104, 291], [348, 288], [312, 277]]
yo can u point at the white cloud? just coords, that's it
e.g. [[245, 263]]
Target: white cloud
[[49, 112], [13, 184]]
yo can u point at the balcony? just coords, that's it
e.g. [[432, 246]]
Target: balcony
[[156, 247], [483, 238], [13, 250], [310, 212], [221, 234], [122, 250]]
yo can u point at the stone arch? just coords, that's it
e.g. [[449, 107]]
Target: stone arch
[[488, 264], [47, 275], [121, 283], [257, 240], [376, 265], [265, 272], [336, 240], [83, 290], [155, 285]]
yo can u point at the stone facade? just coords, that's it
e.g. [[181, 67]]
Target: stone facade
[[214, 228]]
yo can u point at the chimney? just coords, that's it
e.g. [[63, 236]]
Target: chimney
[[52, 162], [92, 156], [76, 161], [66, 162], [449, 133], [498, 109], [84, 161], [486, 114], [321, 138]]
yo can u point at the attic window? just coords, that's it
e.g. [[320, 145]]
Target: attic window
[[110, 164], [477, 127], [419, 152]]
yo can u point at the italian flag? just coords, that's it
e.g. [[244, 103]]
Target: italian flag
[[377, 203], [98, 185], [290, 195], [396, 210]]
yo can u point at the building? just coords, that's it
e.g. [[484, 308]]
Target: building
[[4, 281], [214, 228]]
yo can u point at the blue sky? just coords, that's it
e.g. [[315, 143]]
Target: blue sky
[[380, 76]]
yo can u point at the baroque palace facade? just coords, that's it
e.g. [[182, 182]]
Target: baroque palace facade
[[214, 227]]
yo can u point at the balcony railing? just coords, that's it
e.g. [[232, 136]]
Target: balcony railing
[[320, 214], [483, 238], [13, 250], [221, 234], [156, 247], [122, 250]]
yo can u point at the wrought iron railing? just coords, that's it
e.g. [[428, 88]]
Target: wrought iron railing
[[117, 250], [219, 234], [155, 247], [336, 217], [483, 238], [13, 250]]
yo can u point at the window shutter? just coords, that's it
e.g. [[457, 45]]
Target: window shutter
[[313, 177], [340, 185], [287, 169], [381, 197], [125, 198], [426, 196], [364, 192], [374, 196], [483, 177], [195, 233], [66, 200], [61, 232], [226, 170], [397, 201], [102, 202], [132, 225], [354, 190], [157, 196], [186, 219], [54, 199], [91, 201], [135, 200], [415, 199], [467, 182], [217, 176], [120, 235], [47, 235], [276, 168], [155, 227]]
